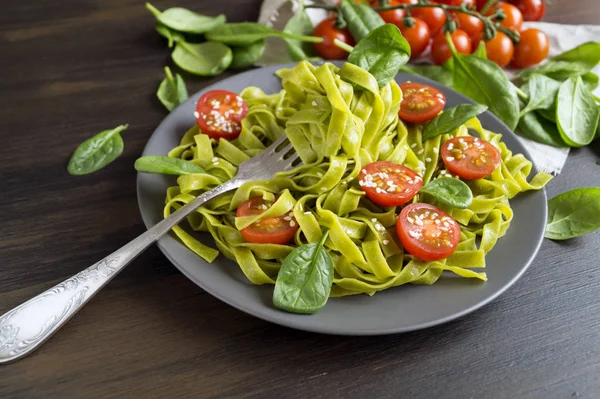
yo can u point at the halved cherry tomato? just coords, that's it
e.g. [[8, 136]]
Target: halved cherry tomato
[[219, 114], [418, 36], [420, 103], [389, 184], [269, 230], [434, 17], [427, 232], [532, 49], [514, 18], [440, 52], [394, 16], [329, 32], [473, 26], [532, 10], [499, 49], [469, 157]]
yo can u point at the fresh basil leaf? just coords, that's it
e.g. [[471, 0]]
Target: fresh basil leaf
[[451, 119], [538, 129], [433, 72], [573, 214], [449, 191], [245, 33], [576, 113], [485, 83], [172, 90], [587, 53], [160, 164], [381, 53], [171, 35], [299, 24], [480, 51], [542, 92], [304, 280], [184, 20], [361, 18], [244, 57], [204, 59], [97, 152]]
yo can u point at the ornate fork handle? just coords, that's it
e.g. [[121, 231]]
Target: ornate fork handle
[[26, 327]]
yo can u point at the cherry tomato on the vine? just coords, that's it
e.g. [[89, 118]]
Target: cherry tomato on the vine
[[532, 49], [394, 16], [532, 10], [219, 114], [480, 3], [418, 36], [389, 184], [500, 49], [513, 19], [440, 52], [470, 157], [328, 31], [470, 24], [427, 232], [420, 103], [434, 17], [268, 230]]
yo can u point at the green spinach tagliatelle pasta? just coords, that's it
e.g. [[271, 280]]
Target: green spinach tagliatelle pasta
[[340, 120]]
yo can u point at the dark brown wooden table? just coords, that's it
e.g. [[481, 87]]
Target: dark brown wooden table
[[69, 69]]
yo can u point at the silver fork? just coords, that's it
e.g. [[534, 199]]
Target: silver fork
[[26, 327]]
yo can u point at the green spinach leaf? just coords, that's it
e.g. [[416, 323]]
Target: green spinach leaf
[[451, 119], [246, 33], [449, 191], [204, 59], [587, 53], [304, 280], [480, 51], [538, 129], [558, 70], [160, 164], [485, 82], [184, 20], [172, 90], [573, 214], [542, 92], [97, 152], [382, 52], [244, 57], [576, 113], [299, 24], [548, 114], [171, 35], [361, 18], [590, 80], [433, 72]]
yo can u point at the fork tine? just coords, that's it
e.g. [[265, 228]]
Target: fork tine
[[276, 143], [285, 149], [288, 162]]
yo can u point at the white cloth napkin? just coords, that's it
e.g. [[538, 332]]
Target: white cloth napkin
[[276, 13]]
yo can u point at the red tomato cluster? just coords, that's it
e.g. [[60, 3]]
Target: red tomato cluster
[[427, 29]]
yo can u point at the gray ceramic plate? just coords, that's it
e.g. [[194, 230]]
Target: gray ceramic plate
[[400, 309]]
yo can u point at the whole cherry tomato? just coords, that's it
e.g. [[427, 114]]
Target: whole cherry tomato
[[532, 10], [440, 51], [500, 49], [470, 24], [434, 17], [394, 16], [418, 36], [532, 49], [513, 19], [328, 31]]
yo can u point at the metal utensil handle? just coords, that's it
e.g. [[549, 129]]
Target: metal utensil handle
[[24, 328]]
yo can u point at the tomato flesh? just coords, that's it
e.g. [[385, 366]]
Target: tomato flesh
[[269, 230], [389, 184], [219, 114], [427, 232], [469, 157], [420, 103]]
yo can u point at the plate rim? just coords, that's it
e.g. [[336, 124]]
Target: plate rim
[[327, 329]]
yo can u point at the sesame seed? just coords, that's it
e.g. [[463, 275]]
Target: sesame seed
[[323, 188], [314, 103], [307, 213], [414, 145], [436, 150], [427, 159], [287, 218], [418, 222], [378, 226], [196, 114], [374, 220], [215, 159], [449, 159], [421, 151], [411, 220], [319, 174], [386, 242], [292, 223]]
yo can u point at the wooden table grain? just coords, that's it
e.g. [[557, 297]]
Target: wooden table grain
[[72, 68]]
